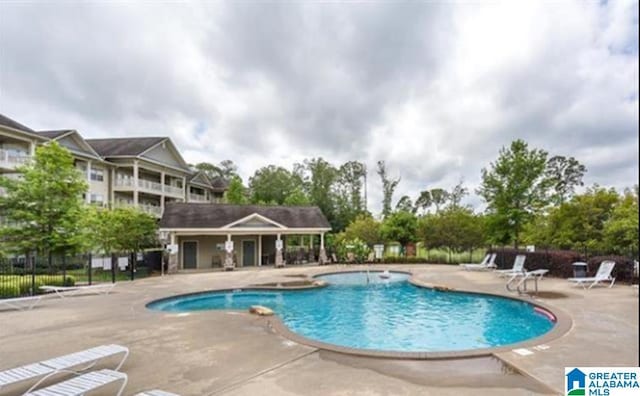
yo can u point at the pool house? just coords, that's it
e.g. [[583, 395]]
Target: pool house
[[202, 236]]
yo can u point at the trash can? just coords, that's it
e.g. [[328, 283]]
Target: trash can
[[579, 269]]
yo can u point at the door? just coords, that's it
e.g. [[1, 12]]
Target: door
[[248, 253], [189, 254]]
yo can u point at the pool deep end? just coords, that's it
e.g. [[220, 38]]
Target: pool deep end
[[361, 311]]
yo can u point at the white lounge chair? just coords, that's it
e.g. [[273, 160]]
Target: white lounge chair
[[82, 384], [156, 392], [21, 303], [603, 275], [63, 291], [518, 267], [88, 357], [487, 263]]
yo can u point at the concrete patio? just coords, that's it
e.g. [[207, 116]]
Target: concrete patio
[[230, 353]]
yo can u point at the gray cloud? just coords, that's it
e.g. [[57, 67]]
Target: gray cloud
[[433, 89]]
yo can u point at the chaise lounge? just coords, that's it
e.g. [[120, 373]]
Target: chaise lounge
[[603, 275]]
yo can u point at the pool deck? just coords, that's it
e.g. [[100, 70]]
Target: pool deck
[[230, 353]]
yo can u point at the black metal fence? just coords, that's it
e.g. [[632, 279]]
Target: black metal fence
[[23, 275]]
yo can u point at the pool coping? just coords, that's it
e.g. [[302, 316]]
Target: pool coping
[[563, 322]]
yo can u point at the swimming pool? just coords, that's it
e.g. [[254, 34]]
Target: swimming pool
[[360, 310]]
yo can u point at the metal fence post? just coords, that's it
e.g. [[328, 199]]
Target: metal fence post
[[31, 261], [132, 263], [114, 262], [64, 270], [89, 269]]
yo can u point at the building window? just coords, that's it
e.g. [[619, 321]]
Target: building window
[[97, 199], [97, 174]]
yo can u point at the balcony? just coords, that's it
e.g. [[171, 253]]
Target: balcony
[[197, 198], [174, 191], [149, 186], [10, 160], [153, 210], [123, 184]]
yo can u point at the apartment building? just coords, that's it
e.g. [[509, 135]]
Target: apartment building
[[145, 172]]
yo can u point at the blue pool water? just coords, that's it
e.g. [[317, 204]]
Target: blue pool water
[[389, 315]]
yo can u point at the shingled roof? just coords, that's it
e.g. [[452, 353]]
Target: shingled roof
[[200, 215], [8, 122], [53, 134], [123, 147]]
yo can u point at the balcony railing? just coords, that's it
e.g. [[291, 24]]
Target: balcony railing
[[173, 190], [151, 209], [10, 159], [149, 185], [197, 197], [124, 183]]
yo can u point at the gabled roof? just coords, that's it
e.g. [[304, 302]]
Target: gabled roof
[[219, 184], [200, 178], [178, 215], [8, 122], [54, 134], [123, 147]]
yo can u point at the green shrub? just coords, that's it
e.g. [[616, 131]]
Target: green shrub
[[9, 290]]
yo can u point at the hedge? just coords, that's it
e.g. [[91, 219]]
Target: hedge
[[560, 263], [16, 285]]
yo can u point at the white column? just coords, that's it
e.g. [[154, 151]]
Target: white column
[[162, 194], [323, 254], [135, 183], [89, 181], [112, 185], [184, 188], [260, 250], [32, 149]]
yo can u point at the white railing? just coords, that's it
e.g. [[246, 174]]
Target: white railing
[[11, 159], [149, 185], [173, 190], [151, 209], [197, 198], [124, 183]]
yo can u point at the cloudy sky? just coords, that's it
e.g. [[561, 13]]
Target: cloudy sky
[[434, 88]]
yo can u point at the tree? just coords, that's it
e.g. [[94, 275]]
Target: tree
[[515, 188], [400, 227], [456, 195], [388, 187], [405, 204], [439, 197], [297, 198], [43, 210], [576, 224], [424, 201], [455, 228], [564, 174], [225, 169], [319, 182], [272, 184], [351, 178], [236, 193], [364, 228], [120, 230], [621, 230]]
